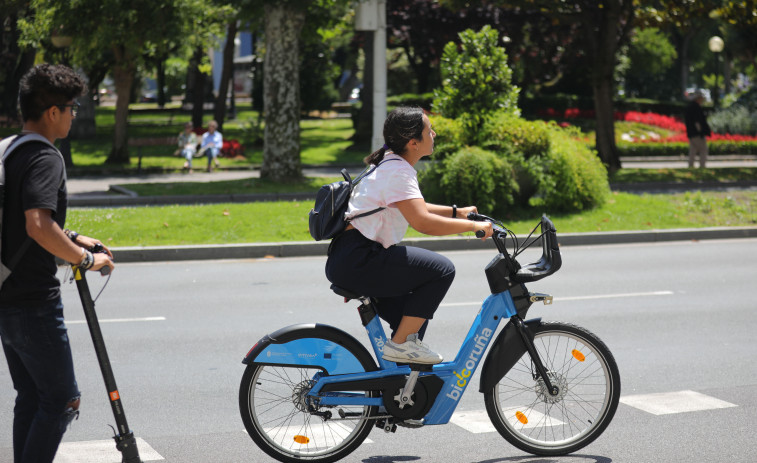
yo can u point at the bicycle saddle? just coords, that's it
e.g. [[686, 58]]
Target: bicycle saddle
[[345, 293]]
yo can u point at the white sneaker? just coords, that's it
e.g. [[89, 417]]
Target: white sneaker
[[411, 351]]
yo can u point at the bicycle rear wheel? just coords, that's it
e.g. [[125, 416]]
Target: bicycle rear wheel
[[285, 424], [584, 370]]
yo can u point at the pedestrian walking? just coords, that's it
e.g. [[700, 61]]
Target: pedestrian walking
[[697, 130], [32, 329]]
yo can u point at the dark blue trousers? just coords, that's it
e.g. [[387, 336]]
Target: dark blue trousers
[[404, 280], [35, 342]]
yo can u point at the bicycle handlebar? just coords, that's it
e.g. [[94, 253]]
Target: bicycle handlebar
[[98, 248], [550, 261]]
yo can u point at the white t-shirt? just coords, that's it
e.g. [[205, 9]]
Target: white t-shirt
[[391, 182]]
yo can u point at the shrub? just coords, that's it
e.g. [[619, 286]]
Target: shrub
[[475, 83], [571, 177], [450, 136], [505, 131], [471, 176], [422, 100], [737, 119]]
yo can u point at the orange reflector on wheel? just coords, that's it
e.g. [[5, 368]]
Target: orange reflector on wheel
[[578, 355], [301, 439], [521, 417]]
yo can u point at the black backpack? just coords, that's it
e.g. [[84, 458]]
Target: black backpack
[[7, 146], [327, 215]]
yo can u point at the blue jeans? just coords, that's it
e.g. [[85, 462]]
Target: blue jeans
[[212, 153], [35, 342]]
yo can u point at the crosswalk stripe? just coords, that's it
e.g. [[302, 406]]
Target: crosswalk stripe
[[100, 451], [667, 403], [477, 421]]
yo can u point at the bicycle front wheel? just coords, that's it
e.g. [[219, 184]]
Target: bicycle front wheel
[[288, 426], [583, 369]]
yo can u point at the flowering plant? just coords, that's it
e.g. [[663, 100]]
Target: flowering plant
[[232, 148]]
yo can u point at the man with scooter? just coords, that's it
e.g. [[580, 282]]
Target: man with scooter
[[32, 329]]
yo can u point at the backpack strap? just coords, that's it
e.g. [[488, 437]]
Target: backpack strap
[[7, 147], [364, 174]]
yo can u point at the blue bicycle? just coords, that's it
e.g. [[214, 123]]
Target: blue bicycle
[[313, 392]]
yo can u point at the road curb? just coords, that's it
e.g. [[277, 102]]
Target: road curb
[[309, 248]]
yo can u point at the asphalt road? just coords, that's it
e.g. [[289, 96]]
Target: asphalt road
[[679, 317]]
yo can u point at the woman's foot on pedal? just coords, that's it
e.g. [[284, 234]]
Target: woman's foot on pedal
[[411, 351]]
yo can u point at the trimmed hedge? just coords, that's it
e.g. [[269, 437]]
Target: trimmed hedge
[[544, 165], [471, 177], [682, 149]]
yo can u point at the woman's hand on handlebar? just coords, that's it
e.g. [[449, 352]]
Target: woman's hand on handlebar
[[483, 230], [462, 212]]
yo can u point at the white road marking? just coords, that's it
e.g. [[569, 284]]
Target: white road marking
[[118, 320], [315, 435], [477, 421], [575, 298], [100, 451], [666, 403]]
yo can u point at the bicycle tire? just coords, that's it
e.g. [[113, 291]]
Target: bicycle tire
[[584, 369], [271, 401]]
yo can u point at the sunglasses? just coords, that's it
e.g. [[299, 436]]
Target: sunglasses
[[74, 108]]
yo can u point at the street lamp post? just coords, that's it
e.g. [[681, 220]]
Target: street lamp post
[[716, 46]]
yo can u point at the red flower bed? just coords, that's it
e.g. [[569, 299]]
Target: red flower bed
[[657, 120], [671, 123]]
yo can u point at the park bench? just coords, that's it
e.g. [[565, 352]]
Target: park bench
[[150, 141]]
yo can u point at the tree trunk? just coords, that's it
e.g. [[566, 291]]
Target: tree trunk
[[197, 89], [123, 77], [686, 40], [219, 111], [281, 91], [20, 60], [363, 120], [604, 43], [161, 71]]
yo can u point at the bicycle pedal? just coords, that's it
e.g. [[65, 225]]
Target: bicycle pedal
[[412, 424]]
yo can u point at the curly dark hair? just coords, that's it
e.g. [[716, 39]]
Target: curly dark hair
[[48, 85], [403, 124]]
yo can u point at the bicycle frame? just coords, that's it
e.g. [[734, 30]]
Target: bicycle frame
[[456, 374], [346, 368]]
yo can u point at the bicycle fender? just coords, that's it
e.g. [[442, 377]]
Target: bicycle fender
[[504, 353], [314, 345]]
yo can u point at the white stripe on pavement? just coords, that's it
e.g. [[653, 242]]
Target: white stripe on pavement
[[575, 298], [667, 403], [118, 320], [100, 451]]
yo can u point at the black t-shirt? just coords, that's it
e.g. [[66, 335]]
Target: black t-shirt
[[34, 179]]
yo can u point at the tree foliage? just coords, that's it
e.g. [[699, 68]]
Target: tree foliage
[[123, 33], [476, 80]]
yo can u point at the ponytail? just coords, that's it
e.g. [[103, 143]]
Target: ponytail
[[377, 156]]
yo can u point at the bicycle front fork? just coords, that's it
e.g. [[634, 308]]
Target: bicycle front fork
[[529, 343]]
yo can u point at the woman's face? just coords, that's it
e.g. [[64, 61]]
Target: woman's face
[[426, 145]]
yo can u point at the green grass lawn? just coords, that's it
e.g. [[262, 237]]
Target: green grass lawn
[[287, 221], [323, 141]]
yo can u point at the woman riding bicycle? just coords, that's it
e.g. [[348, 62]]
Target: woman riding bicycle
[[408, 283]]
